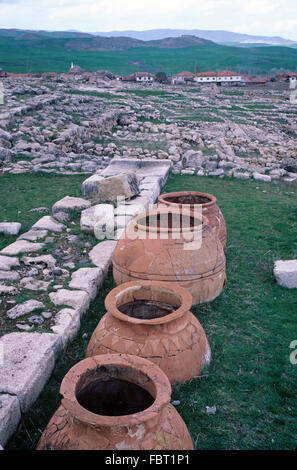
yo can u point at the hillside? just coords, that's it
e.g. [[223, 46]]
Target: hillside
[[56, 54]]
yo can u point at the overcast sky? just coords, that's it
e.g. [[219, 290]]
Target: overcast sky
[[260, 17]]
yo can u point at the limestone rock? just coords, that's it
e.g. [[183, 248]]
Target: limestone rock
[[10, 228], [285, 273], [34, 284], [7, 290], [260, 177], [67, 324], [48, 223], [98, 220], [21, 246], [90, 187], [33, 235], [87, 279], [101, 255], [10, 415], [29, 359], [24, 308], [68, 206], [124, 185], [6, 263], [77, 299], [44, 261], [9, 276]]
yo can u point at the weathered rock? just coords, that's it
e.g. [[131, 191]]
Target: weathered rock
[[9, 276], [67, 324], [48, 223], [87, 279], [67, 207], [98, 220], [77, 299], [285, 273], [289, 164], [192, 159], [90, 187], [260, 177], [21, 246], [6, 263], [124, 185], [43, 261], [10, 415], [10, 228], [34, 284], [29, 359], [24, 308], [33, 235], [7, 290], [101, 255]]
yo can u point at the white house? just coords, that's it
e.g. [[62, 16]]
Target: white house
[[222, 77], [293, 81], [143, 77]]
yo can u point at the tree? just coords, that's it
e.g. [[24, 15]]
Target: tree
[[161, 77]]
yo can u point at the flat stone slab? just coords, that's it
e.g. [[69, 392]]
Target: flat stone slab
[[24, 308], [10, 228], [46, 261], [29, 359], [101, 255], [33, 235], [9, 276], [34, 284], [145, 168], [6, 263], [77, 299], [285, 272], [8, 290], [21, 246], [87, 279], [98, 220], [67, 324], [66, 207], [49, 223], [261, 177], [10, 415]]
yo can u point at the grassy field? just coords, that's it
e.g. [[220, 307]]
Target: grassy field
[[42, 55], [20, 193], [250, 327]]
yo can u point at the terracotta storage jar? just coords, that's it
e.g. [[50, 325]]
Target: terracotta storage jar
[[152, 319], [115, 402], [149, 251], [209, 208]]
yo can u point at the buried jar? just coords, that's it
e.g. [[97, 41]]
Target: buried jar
[[115, 402], [153, 320], [170, 246], [192, 199]]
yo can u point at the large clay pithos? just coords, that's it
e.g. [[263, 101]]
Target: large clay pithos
[[153, 320], [210, 209], [115, 402], [186, 252]]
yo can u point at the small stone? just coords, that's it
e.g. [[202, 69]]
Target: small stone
[[24, 308], [285, 272], [211, 410], [57, 272], [10, 228], [34, 284], [9, 276], [46, 315], [24, 327], [49, 223], [8, 290], [6, 263], [175, 403], [36, 320], [21, 246]]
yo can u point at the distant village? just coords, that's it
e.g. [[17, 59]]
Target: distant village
[[221, 78]]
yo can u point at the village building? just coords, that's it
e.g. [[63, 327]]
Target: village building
[[220, 78], [143, 77], [182, 77]]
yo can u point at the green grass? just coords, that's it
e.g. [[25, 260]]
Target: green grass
[[249, 326], [20, 193], [48, 54]]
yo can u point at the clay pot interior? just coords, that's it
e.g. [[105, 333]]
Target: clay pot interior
[[187, 199], [146, 302], [115, 390], [168, 219]]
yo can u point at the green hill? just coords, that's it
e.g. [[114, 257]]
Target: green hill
[[55, 54]]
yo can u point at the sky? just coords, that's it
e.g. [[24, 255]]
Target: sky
[[259, 17]]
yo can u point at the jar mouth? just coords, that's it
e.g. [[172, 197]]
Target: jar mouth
[[148, 302], [187, 198], [115, 390], [169, 220]]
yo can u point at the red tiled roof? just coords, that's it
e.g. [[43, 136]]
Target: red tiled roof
[[184, 74]]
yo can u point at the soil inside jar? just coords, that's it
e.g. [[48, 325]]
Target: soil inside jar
[[188, 199], [146, 309], [114, 397]]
